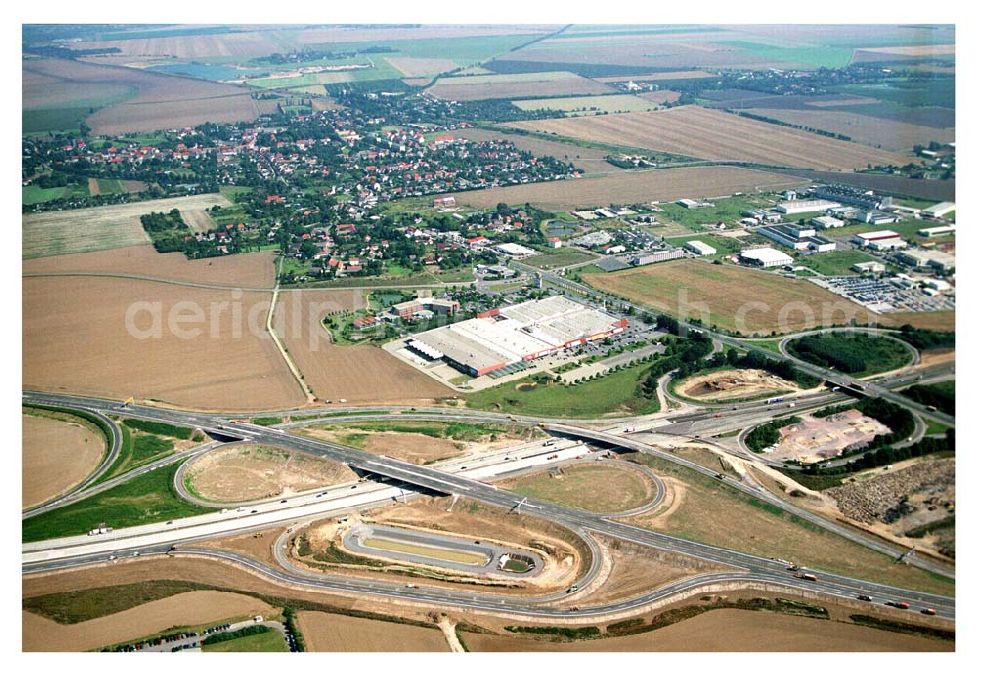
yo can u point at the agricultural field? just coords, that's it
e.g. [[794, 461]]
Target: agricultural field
[[655, 77], [331, 632], [712, 135], [97, 228], [629, 187], [730, 297], [589, 160], [234, 474], [58, 451], [75, 339], [893, 135], [131, 100], [598, 487], [728, 630], [33, 195], [693, 512], [476, 87], [269, 641], [358, 374], [201, 607], [248, 271], [409, 66], [590, 105]]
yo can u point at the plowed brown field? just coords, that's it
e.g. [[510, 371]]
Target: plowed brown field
[[186, 609], [255, 270], [55, 456], [627, 187], [75, 338], [358, 374], [332, 632], [713, 135], [731, 630]]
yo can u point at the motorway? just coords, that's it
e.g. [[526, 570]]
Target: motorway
[[51, 555]]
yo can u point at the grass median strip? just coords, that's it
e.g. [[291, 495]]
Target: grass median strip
[[142, 500]]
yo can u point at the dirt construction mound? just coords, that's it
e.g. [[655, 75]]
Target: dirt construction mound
[[734, 384], [249, 472]]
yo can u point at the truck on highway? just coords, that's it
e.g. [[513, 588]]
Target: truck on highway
[[775, 400], [552, 457], [805, 576], [99, 530]]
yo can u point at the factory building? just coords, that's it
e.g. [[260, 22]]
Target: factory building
[[765, 257], [825, 222], [517, 334], [514, 250], [868, 267], [879, 239], [936, 231], [939, 210], [699, 248], [408, 310], [849, 195], [656, 257], [803, 206]]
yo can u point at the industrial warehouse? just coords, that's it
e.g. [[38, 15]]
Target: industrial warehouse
[[508, 338]]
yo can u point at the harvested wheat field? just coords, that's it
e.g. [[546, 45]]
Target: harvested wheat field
[[411, 67], [941, 320], [76, 338], [96, 228], [712, 135], [359, 374], [185, 609], [518, 85], [333, 632], [234, 474], [731, 630], [409, 447], [733, 384], [730, 297], [633, 186], [58, 451], [894, 135], [154, 100], [246, 271], [587, 159]]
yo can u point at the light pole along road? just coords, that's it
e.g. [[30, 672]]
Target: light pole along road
[[766, 571]]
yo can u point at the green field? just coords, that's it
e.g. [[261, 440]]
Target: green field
[[835, 262], [725, 209], [589, 105], [856, 354], [32, 195], [940, 395], [558, 259], [144, 499], [615, 393], [142, 444], [269, 641], [596, 487]]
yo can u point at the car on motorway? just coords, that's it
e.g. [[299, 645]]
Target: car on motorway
[[572, 588], [898, 605], [284, 500], [929, 612], [865, 598]]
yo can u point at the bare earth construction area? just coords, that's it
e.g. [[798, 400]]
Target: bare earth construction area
[[247, 473], [734, 384], [816, 439]]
